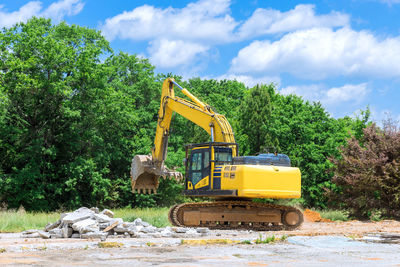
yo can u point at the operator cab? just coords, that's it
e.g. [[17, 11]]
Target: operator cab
[[202, 160], [204, 163]]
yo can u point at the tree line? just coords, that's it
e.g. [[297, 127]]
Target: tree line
[[73, 113]]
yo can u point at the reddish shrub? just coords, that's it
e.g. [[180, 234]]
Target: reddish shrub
[[368, 173]]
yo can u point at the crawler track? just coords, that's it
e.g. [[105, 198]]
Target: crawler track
[[236, 215]]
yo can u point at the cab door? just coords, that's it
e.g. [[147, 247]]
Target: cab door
[[199, 170]]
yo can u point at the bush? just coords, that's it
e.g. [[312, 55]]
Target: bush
[[368, 173], [335, 215]]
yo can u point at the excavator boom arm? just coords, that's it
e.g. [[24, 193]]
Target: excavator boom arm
[[216, 125], [146, 170]]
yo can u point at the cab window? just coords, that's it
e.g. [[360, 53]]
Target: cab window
[[223, 155], [196, 161]]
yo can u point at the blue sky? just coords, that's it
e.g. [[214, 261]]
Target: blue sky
[[345, 54]]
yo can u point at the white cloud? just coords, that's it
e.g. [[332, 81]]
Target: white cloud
[[349, 93], [165, 53], [320, 52], [206, 20], [381, 115], [210, 21], [56, 11], [390, 2], [312, 92], [207, 23], [250, 81], [7, 19], [270, 21]]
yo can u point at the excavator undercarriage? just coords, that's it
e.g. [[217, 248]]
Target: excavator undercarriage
[[236, 215]]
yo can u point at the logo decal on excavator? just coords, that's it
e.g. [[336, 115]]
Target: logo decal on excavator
[[202, 183]]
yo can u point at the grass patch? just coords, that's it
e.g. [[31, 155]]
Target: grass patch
[[267, 240], [155, 216], [17, 221], [335, 215]]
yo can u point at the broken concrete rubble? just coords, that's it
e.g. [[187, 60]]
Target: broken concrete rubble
[[78, 215], [91, 223], [108, 213], [78, 226]]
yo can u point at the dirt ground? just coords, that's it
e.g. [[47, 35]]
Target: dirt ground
[[315, 243]]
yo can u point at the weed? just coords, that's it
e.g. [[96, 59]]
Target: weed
[[335, 215], [267, 240], [110, 245], [2, 250], [375, 215], [355, 236], [246, 242], [284, 238], [150, 244]]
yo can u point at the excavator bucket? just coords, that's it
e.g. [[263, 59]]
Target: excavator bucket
[[145, 175]]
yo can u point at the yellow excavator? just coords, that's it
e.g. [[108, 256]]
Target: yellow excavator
[[215, 170]]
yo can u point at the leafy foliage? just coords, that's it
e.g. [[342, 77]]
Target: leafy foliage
[[368, 173], [73, 113], [255, 119]]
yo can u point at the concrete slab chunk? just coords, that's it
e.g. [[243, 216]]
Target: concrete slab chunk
[[66, 231], [78, 215], [121, 229], [138, 222], [32, 235], [95, 210], [136, 228], [55, 233], [50, 226], [112, 226], [75, 235], [78, 226], [107, 212], [30, 231], [102, 218], [149, 229], [92, 228], [202, 230], [99, 234], [179, 229], [44, 235]]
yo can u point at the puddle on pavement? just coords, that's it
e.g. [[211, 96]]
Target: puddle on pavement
[[344, 242], [384, 238]]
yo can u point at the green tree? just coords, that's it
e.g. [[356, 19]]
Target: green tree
[[44, 68], [255, 119], [309, 136]]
